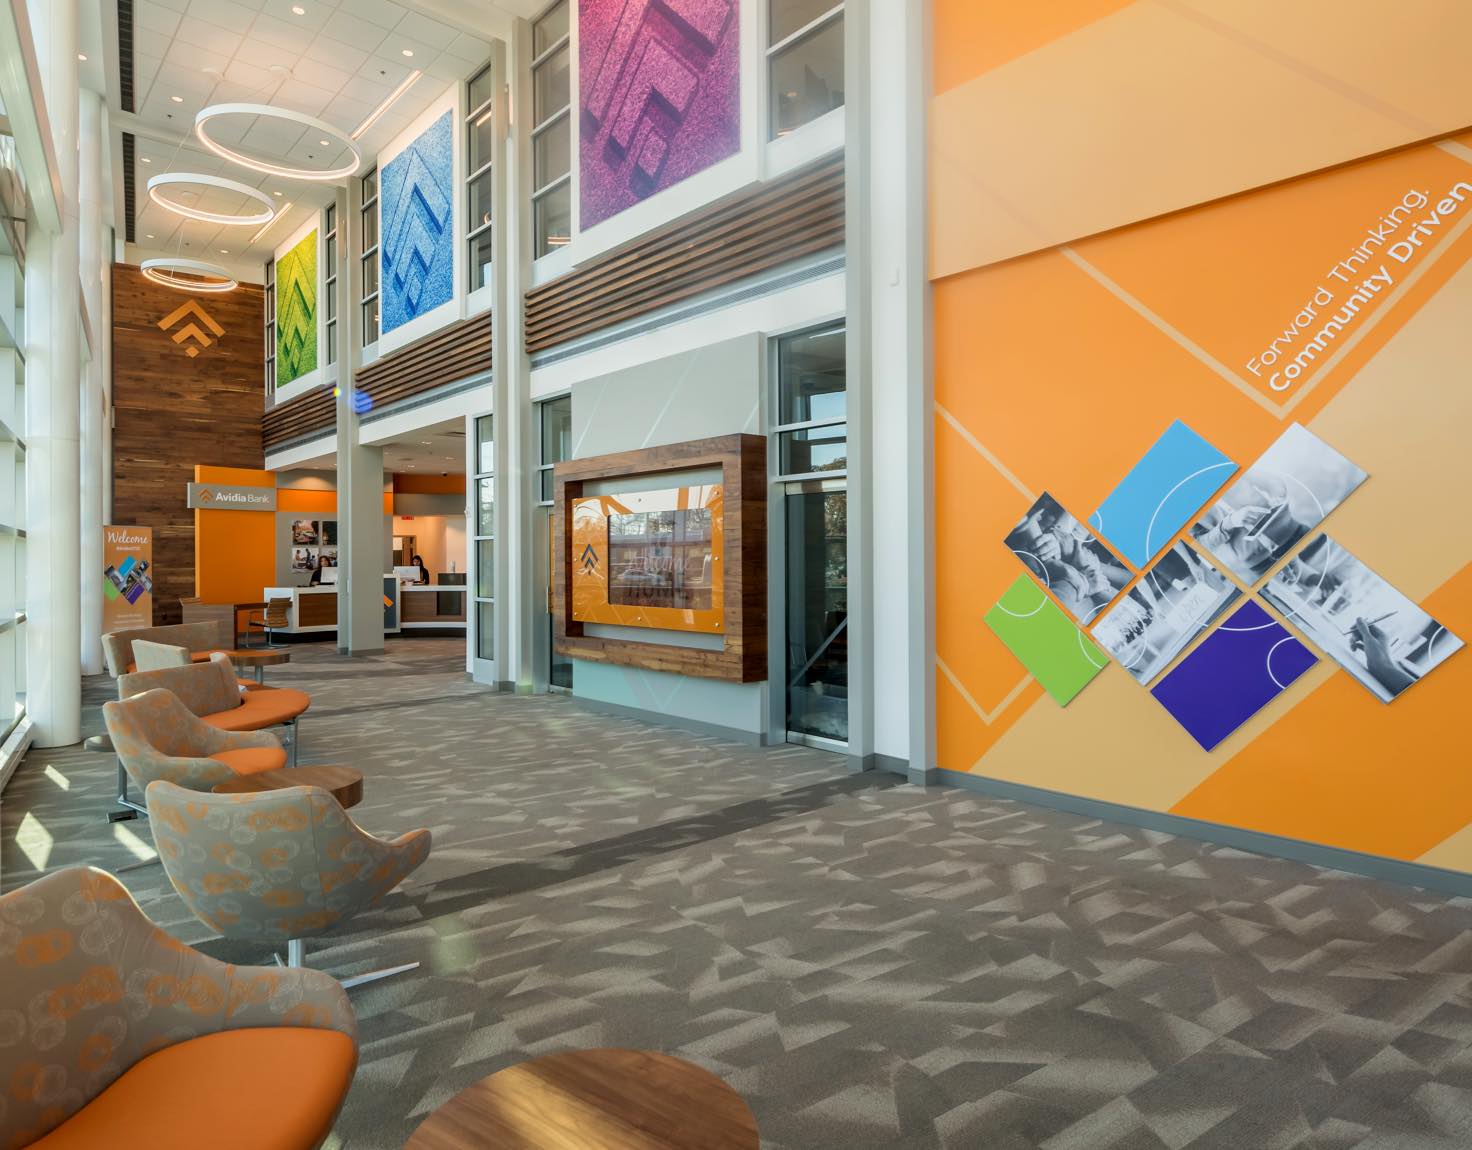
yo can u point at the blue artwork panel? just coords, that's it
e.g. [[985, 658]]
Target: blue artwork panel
[[417, 208], [1243, 666], [1162, 492]]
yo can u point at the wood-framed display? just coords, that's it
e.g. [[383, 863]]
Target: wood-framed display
[[686, 556]]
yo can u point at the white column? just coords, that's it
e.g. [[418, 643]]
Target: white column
[[53, 520], [94, 258]]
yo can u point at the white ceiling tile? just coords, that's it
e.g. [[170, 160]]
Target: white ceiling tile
[[244, 75], [174, 5], [145, 68], [384, 13], [264, 55], [323, 76], [360, 34], [305, 98], [335, 54], [209, 36], [229, 14], [151, 43], [278, 33], [347, 113], [426, 31], [449, 68], [312, 17], [153, 17], [366, 91], [469, 48], [187, 65], [382, 70]]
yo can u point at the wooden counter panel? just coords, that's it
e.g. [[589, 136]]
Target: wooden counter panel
[[316, 611]]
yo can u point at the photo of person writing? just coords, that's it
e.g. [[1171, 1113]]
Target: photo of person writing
[[1359, 620], [1064, 555], [1293, 485]]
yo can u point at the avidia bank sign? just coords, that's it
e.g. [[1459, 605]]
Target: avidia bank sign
[[231, 497]]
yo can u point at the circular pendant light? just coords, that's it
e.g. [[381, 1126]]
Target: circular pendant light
[[299, 119], [188, 275], [266, 214]]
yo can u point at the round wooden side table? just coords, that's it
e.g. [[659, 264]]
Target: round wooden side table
[[345, 784], [593, 1100], [260, 658]]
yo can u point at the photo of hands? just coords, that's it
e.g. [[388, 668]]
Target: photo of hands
[[1288, 492], [1358, 619], [1067, 559], [1173, 602]]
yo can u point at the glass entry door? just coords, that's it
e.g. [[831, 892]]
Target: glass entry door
[[816, 515]]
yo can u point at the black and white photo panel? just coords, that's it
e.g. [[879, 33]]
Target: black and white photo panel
[[1289, 491], [1358, 619], [1175, 600], [1063, 555]]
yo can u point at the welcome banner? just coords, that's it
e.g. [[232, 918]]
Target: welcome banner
[[127, 578]]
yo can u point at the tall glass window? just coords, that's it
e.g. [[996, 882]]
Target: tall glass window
[[329, 257], [480, 130], [554, 426], [552, 135], [13, 211], [484, 482], [368, 256], [270, 333], [804, 62], [810, 449]]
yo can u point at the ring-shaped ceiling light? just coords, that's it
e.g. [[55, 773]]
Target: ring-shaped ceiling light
[[327, 175], [166, 273], [264, 216]]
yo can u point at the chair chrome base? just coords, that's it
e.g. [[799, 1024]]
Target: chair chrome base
[[296, 954]]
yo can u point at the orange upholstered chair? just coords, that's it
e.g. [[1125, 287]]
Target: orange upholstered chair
[[211, 691], [117, 1035]]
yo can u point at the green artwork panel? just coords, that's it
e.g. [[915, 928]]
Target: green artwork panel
[[296, 311], [1045, 640]]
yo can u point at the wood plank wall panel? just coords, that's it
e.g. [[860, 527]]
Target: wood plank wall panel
[[449, 355], [743, 463], [799, 215], [173, 410]]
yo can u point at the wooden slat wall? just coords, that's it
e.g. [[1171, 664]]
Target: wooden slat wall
[[449, 355], [173, 411], [311, 413], [781, 221]]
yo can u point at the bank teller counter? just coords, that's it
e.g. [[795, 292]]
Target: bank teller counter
[[441, 604], [313, 610]]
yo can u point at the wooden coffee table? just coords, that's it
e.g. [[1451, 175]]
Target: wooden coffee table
[[345, 784], [260, 658], [593, 1100]]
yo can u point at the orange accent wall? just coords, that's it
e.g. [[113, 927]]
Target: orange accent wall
[[1056, 369], [234, 551], [295, 499]]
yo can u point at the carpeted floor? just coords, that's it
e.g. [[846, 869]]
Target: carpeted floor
[[870, 964]]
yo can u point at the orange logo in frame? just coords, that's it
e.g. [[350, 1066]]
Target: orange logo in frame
[[192, 330]]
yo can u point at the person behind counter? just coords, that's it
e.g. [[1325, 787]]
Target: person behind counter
[[423, 570], [316, 579]]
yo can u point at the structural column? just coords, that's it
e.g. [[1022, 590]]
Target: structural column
[[53, 377], [95, 262], [361, 549]]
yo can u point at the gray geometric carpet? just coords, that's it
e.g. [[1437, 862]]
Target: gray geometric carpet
[[870, 964]]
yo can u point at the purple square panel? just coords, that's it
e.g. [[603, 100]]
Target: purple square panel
[[1242, 666]]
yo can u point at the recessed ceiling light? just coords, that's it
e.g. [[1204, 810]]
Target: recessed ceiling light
[[325, 143], [149, 236], [145, 159], [298, 10], [408, 51], [177, 99], [224, 251], [276, 194], [82, 56]]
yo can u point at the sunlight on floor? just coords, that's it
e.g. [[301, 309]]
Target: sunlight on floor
[[139, 848], [58, 778], [34, 841]]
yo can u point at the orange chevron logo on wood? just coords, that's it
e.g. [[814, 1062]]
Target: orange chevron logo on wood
[[192, 330]]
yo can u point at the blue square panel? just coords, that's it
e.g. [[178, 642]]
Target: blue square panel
[[1161, 493]]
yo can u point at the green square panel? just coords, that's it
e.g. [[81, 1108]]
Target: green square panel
[[296, 311], [1046, 640]]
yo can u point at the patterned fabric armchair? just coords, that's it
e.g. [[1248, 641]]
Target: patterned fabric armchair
[[199, 638], [211, 691], [277, 866], [158, 737], [115, 1034]]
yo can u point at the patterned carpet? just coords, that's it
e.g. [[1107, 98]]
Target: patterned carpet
[[870, 964]]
